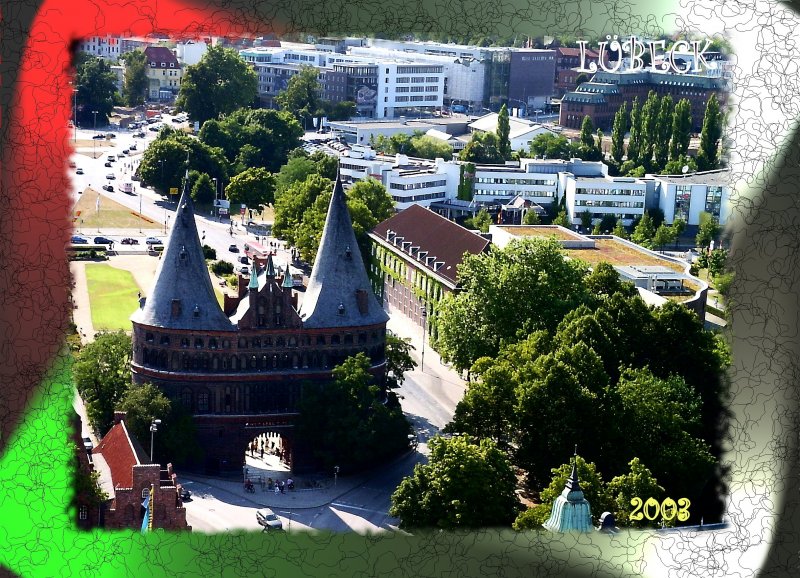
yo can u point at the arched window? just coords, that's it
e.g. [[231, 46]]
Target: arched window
[[198, 343], [335, 340], [281, 342], [186, 398], [165, 340], [212, 343], [184, 342], [348, 339], [149, 337], [292, 341]]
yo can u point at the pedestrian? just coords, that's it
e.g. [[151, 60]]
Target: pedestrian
[[277, 489], [262, 452], [269, 483], [281, 483]]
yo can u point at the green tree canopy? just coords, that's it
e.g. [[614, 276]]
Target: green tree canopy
[[102, 376], [526, 286], [134, 89], [618, 131], [552, 146], [708, 154], [291, 204], [301, 97], [163, 164], [398, 360], [664, 123], [203, 189], [707, 231], [465, 484], [636, 135], [483, 148], [638, 482], [217, 85], [96, 86], [255, 188], [345, 421], [681, 130], [503, 131], [480, 221]]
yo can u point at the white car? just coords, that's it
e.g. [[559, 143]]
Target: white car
[[267, 518]]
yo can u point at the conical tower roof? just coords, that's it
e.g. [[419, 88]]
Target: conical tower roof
[[339, 293], [571, 510], [182, 296]]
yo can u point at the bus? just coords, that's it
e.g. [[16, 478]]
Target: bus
[[254, 250]]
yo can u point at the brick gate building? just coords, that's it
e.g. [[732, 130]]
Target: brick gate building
[[243, 375]]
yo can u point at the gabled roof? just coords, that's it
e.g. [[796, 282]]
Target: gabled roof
[[431, 235], [121, 452], [182, 296], [159, 54], [339, 293]]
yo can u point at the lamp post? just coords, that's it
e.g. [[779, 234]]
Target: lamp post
[[94, 140], [424, 331], [153, 429], [140, 211]]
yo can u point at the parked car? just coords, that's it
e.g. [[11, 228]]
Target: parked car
[[76, 240], [153, 241], [139, 134], [244, 270], [108, 164], [111, 135], [233, 249], [87, 443], [98, 136], [109, 188], [129, 241], [102, 241], [79, 171], [267, 518], [124, 151], [110, 176], [243, 259], [132, 147]]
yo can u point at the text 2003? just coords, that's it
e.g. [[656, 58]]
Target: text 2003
[[668, 509]]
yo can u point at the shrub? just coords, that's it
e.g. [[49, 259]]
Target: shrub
[[222, 268], [209, 253]]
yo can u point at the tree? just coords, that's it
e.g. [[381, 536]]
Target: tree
[[483, 148], [427, 147], [102, 376], [664, 235], [716, 262], [681, 129], [451, 491], [326, 165], [501, 295], [503, 130], [203, 190], [664, 123], [586, 219], [650, 112], [373, 194], [562, 219], [297, 169], [591, 482], [134, 89], [635, 139], [640, 483], [587, 132], [480, 221], [346, 423], [644, 231], [291, 204], [678, 227], [398, 360], [675, 166], [707, 231], [96, 88], [552, 146], [142, 404], [708, 153], [618, 131], [301, 95], [255, 188], [163, 164], [219, 84], [209, 253], [619, 230], [531, 218], [608, 222]]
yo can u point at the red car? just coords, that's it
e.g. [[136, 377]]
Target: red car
[[129, 241]]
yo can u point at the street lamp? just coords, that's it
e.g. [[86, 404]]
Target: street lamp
[[424, 331], [94, 140], [140, 211], [335, 475], [153, 429]]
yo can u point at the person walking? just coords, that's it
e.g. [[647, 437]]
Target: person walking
[[281, 483]]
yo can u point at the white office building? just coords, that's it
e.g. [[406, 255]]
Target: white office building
[[686, 196]]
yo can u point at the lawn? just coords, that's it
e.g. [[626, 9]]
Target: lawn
[[110, 215], [112, 296]]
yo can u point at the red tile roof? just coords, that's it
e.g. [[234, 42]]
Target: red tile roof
[[440, 237], [569, 51], [120, 453]]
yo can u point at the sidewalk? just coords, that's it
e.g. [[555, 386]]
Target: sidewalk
[[299, 498]]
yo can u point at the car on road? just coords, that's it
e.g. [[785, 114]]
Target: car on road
[[76, 240], [233, 249], [154, 241], [102, 241], [139, 134], [110, 176], [155, 128], [87, 443], [98, 136], [79, 171], [124, 151], [244, 260], [185, 494], [129, 241], [109, 188], [267, 518], [244, 270], [111, 135], [108, 164], [132, 147]]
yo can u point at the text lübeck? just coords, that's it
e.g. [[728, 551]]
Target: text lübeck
[[629, 55]]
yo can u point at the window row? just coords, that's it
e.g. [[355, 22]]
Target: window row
[[267, 341]]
